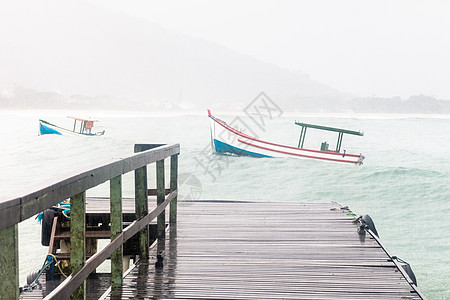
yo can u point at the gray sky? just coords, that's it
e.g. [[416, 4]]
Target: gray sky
[[383, 48]]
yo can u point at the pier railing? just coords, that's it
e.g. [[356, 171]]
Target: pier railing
[[16, 210]]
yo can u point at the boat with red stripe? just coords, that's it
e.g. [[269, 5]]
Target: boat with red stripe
[[234, 142]]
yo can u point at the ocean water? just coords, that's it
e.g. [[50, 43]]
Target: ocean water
[[404, 183]]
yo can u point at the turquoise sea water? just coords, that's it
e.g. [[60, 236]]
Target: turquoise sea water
[[404, 184]]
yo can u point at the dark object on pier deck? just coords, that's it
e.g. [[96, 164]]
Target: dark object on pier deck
[[250, 250]]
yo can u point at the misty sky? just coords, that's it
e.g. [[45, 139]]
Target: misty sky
[[381, 48]]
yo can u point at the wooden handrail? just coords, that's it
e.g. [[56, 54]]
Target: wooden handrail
[[17, 209]]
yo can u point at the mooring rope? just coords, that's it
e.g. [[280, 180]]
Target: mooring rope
[[48, 261]]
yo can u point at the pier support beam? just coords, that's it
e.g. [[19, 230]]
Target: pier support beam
[[160, 197], [141, 203], [116, 228], [173, 187], [78, 239], [9, 263]]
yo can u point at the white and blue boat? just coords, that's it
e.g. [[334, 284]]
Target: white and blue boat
[[81, 127], [228, 140]]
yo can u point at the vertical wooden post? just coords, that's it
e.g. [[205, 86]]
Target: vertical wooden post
[[141, 204], [9, 263], [78, 239], [173, 187], [115, 185], [160, 197]]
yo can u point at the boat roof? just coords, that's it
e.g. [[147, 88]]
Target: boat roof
[[330, 128], [81, 119]]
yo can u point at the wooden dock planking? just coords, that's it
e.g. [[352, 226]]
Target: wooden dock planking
[[101, 205], [98, 209], [225, 250]]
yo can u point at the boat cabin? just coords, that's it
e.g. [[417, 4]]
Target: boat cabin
[[85, 125]]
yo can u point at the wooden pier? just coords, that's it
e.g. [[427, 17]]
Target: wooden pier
[[209, 250], [254, 250]]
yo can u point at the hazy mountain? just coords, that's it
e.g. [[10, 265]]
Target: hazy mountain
[[418, 104], [67, 54], [74, 47]]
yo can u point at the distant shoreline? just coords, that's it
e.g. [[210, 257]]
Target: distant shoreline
[[117, 113]]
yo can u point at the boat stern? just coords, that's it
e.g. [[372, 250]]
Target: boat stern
[[360, 159]]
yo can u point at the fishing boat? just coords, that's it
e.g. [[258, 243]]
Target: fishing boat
[[81, 127], [228, 140]]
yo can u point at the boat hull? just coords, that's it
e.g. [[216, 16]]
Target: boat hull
[[49, 128], [227, 140]]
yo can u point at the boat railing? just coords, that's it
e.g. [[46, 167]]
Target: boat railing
[[15, 210]]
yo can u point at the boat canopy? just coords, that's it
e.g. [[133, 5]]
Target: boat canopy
[[81, 119], [320, 127]]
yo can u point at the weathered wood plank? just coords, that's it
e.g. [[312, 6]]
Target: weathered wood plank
[[160, 187], [116, 230], [9, 263], [173, 187], [9, 212], [77, 240], [141, 202]]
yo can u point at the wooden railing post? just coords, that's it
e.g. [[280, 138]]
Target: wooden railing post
[[116, 229], [173, 187], [78, 239], [141, 204], [160, 197], [9, 263]]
